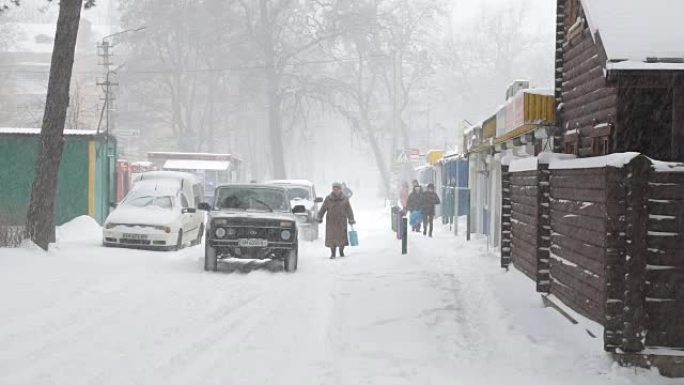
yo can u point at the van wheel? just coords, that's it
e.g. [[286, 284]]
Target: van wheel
[[198, 241], [179, 242]]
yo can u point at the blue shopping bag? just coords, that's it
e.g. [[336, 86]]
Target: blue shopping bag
[[416, 217], [353, 237]]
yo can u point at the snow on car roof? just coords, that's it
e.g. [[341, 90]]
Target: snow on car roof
[[300, 182], [194, 164], [168, 175], [158, 187], [636, 30]]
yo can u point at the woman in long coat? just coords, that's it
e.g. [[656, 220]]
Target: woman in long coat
[[339, 213]]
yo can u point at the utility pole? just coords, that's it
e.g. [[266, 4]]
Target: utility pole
[[104, 52]]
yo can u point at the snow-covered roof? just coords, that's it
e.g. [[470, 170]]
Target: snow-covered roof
[[194, 164], [635, 30], [39, 37], [617, 160], [36, 131]]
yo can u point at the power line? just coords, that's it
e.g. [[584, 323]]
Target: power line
[[209, 70]]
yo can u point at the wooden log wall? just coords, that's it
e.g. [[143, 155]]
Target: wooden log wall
[[584, 205], [587, 100], [544, 236], [664, 276], [527, 250], [634, 259], [505, 217]]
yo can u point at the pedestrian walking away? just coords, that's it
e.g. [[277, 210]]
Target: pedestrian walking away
[[428, 202], [346, 190], [414, 204], [338, 213]]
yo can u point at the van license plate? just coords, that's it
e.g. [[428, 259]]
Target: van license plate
[[252, 242], [134, 236]]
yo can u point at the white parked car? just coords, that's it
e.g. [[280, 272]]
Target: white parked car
[[160, 212], [303, 193]]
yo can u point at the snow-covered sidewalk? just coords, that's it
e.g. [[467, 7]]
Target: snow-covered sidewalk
[[444, 314]]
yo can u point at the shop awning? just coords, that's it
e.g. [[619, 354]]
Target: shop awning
[[193, 164]]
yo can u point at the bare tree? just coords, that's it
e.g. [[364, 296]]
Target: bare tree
[[286, 32], [40, 227]]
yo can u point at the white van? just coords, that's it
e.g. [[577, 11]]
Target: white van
[[159, 212]]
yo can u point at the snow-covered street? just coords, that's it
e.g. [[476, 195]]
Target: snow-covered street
[[444, 314]]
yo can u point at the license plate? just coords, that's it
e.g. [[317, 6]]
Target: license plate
[[134, 236], [252, 242]]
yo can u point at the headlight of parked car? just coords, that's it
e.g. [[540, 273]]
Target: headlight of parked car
[[165, 229], [301, 218], [220, 232], [285, 234]]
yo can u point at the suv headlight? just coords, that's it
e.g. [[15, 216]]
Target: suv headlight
[[220, 232], [285, 235]]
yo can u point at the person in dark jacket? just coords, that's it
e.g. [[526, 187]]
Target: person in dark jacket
[[414, 205], [339, 212], [428, 202]]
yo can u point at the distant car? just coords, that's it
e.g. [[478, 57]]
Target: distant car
[[303, 192], [251, 222], [160, 212]]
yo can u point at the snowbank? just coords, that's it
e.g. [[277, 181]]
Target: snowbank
[[83, 229]]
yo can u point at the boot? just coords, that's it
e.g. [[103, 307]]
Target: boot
[[333, 251], [341, 251]]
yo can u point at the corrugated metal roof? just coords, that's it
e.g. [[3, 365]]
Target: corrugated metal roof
[[36, 131]]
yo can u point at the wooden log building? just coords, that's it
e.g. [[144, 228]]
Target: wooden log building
[[620, 78]]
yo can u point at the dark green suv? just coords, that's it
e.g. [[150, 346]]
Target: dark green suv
[[251, 222]]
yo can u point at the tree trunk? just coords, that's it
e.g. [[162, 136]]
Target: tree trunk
[[275, 130], [273, 89], [40, 227], [377, 153]]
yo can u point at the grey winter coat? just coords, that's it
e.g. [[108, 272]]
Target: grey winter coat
[[339, 213]]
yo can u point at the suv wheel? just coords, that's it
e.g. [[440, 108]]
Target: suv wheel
[[291, 261], [210, 260]]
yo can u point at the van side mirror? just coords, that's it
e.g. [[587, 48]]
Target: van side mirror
[[318, 200], [299, 209], [204, 206]]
